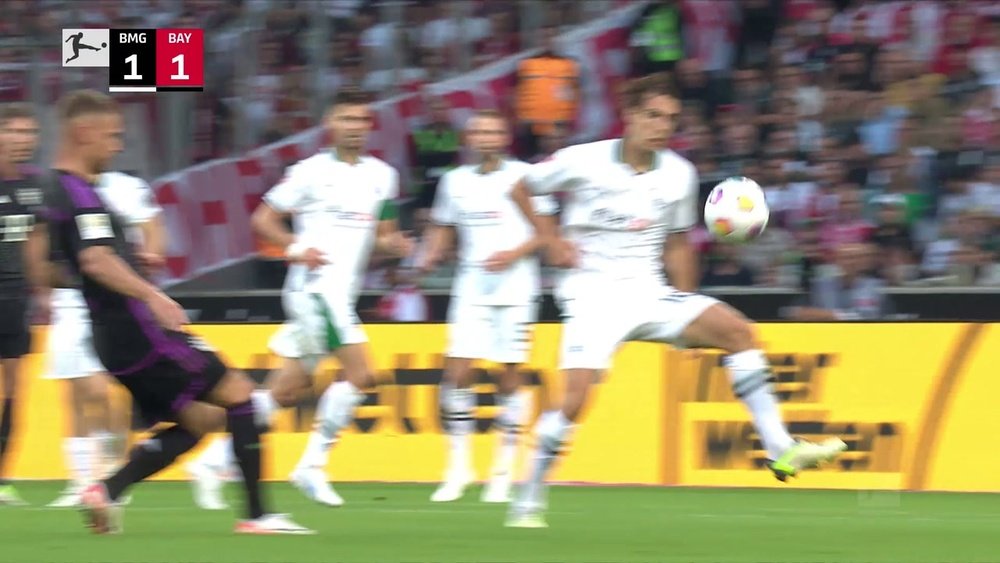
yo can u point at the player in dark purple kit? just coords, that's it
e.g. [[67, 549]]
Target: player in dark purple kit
[[19, 197], [137, 330]]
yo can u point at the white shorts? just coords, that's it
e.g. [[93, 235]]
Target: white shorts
[[597, 322], [317, 325], [71, 343], [496, 333]]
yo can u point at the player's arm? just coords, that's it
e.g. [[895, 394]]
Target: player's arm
[[441, 233], [388, 238], [91, 240], [680, 259], [548, 177], [37, 267], [544, 209], [268, 220]]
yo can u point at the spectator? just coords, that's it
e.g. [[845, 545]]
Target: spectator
[[548, 92], [985, 59], [846, 225], [656, 38], [696, 89], [435, 151], [893, 240], [724, 268], [850, 294]]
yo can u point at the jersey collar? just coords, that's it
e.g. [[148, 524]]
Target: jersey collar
[[619, 156], [336, 157], [479, 167]]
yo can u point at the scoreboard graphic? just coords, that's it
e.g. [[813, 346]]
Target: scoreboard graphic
[[140, 60]]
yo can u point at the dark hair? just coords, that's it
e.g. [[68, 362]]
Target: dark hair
[[17, 110], [85, 102], [635, 92], [351, 96]]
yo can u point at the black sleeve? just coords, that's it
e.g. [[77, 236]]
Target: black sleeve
[[77, 214]]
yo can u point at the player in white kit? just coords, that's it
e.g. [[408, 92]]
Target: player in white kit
[[494, 297], [96, 443], [629, 206], [343, 204]]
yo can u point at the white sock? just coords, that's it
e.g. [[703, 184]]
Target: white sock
[[514, 411], [79, 454], [749, 373], [551, 432], [103, 453], [457, 406], [219, 454], [334, 411], [264, 406]]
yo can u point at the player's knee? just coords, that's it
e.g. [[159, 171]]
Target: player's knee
[[737, 334], [234, 389]]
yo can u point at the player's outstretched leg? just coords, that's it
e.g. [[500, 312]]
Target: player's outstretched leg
[[100, 500], [458, 403], [721, 326], [515, 405], [333, 413], [551, 433]]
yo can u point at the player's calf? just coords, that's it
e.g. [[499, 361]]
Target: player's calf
[[721, 326]]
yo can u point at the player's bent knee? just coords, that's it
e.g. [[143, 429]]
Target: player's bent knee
[[233, 389], [200, 418]]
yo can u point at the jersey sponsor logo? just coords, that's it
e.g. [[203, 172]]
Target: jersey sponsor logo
[[15, 228], [94, 226], [615, 221], [4, 199], [349, 218]]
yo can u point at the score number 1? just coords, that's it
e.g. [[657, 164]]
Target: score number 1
[[133, 61]]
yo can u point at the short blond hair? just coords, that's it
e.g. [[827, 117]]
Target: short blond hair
[[80, 103]]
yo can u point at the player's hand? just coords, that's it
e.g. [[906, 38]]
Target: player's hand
[[427, 264], [500, 261], [562, 253], [42, 311], [168, 313], [312, 257], [150, 262], [399, 244]]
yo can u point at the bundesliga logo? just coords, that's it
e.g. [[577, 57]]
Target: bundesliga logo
[[85, 48]]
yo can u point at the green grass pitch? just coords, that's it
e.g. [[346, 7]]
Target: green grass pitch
[[389, 523]]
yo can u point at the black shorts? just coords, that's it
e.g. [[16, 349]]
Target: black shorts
[[15, 330], [163, 389]]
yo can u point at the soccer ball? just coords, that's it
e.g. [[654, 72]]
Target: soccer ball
[[736, 210]]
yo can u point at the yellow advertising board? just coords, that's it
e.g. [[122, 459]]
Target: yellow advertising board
[[915, 402], [397, 435]]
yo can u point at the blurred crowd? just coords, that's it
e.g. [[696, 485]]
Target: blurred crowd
[[874, 128], [873, 125]]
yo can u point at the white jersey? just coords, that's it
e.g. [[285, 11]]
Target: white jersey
[[336, 207], [128, 197], [487, 220], [619, 220]]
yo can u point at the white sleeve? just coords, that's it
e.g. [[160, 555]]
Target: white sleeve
[[390, 207], [443, 212], [145, 207], [551, 175], [289, 194], [544, 204], [686, 211]]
